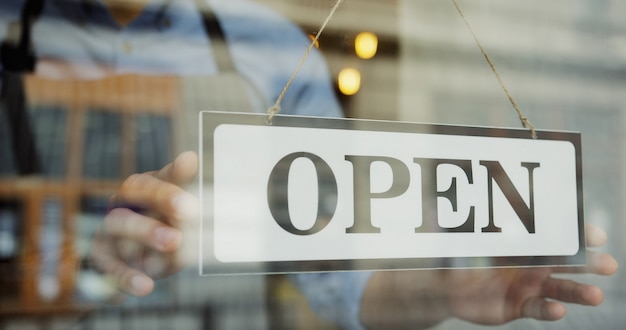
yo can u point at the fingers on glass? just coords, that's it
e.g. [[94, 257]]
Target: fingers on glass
[[542, 309], [171, 202], [125, 278], [181, 171], [569, 291], [132, 226], [594, 236]]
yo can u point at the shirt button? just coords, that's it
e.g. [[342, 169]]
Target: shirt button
[[166, 22], [127, 48]]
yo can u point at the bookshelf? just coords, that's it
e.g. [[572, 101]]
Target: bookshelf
[[87, 136]]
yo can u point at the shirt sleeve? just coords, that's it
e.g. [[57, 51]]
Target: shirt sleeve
[[335, 296]]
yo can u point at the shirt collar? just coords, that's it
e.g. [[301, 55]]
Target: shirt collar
[[93, 12]]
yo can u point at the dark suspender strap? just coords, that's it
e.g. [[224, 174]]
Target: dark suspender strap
[[214, 30], [13, 102], [17, 59]]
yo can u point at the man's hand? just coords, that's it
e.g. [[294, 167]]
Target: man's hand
[[412, 299], [141, 238]]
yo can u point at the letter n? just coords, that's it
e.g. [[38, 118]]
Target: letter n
[[525, 212]]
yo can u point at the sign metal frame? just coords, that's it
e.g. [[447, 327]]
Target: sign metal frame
[[209, 121]]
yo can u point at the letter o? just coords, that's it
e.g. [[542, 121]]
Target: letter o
[[278, 195]]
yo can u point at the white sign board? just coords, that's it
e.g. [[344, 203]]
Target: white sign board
[[314, 194]]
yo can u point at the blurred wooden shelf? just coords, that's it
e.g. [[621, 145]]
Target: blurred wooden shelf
[[128, 98]]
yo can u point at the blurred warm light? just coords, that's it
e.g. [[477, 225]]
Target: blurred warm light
[[317, 42], [349, 81], [366, 45]]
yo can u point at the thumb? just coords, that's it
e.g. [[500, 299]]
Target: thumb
[[181, 171]]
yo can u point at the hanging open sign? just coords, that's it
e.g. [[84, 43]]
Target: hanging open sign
[[318, 194]]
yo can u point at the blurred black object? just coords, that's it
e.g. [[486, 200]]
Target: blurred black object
[[16, 58]]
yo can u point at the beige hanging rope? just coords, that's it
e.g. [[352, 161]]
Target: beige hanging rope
[[525, 122], [273, 110]]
